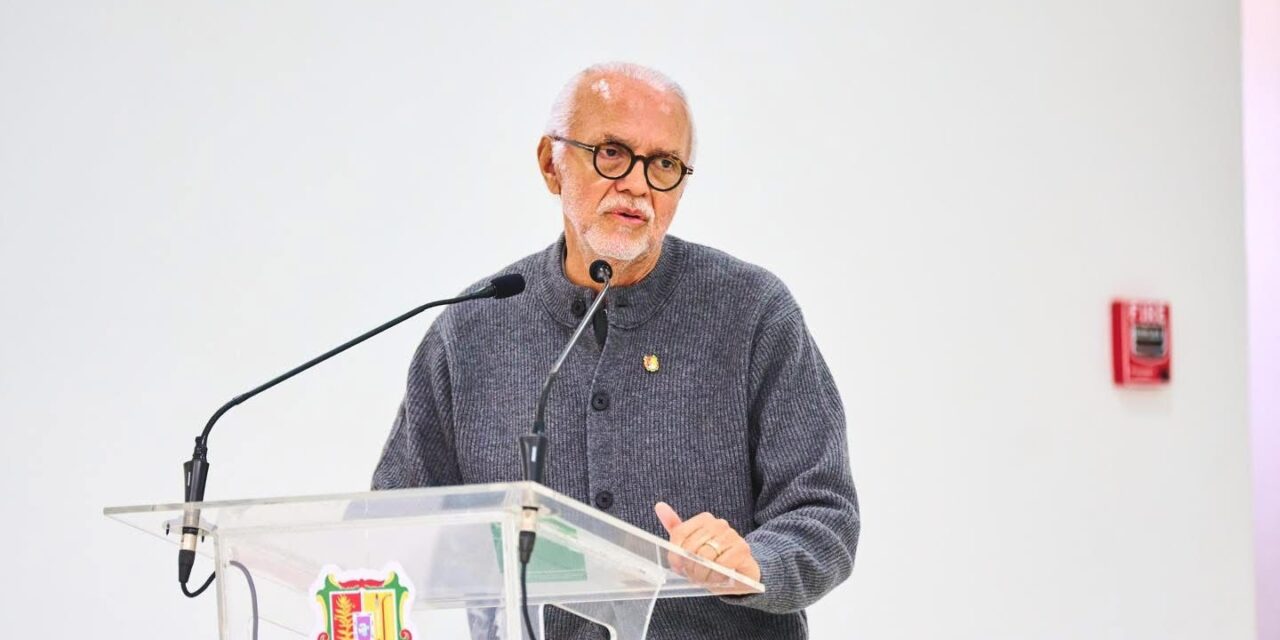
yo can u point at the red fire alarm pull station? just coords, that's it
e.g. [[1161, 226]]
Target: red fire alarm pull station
[[1140, 342]]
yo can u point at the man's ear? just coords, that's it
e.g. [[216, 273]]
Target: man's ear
[[547, 165]]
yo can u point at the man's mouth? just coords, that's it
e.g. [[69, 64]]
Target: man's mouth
[[629, 216]]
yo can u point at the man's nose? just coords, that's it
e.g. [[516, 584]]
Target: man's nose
[[634, 182]]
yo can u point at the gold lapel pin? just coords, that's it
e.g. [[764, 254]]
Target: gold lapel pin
[[651, 363]]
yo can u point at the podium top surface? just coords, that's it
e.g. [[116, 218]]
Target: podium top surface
[[455, 541]]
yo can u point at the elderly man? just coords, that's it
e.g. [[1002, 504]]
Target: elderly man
[[701, 409]]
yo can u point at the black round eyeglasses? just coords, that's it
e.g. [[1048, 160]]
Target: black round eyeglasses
[[614, 160]]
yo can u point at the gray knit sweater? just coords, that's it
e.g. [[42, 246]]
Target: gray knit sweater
[[741, 419]]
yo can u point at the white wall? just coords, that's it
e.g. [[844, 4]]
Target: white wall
[[1261, 71], [195, 196]]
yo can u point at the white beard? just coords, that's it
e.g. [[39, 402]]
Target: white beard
[[614, 245], [622, 245]]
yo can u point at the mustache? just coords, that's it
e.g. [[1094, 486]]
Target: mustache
[[615, 201]]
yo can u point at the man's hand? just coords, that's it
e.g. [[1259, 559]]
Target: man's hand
[[708, 537]]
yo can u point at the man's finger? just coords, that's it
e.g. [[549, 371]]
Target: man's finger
[[735, 557], [667, 516], [680, 533], [710, 530], [699, 573]]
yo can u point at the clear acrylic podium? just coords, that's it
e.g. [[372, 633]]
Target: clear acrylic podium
[[456, 547]]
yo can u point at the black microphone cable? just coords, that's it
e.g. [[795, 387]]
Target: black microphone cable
[[253, 594], [253, 591]]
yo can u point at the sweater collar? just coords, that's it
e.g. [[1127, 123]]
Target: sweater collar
[[628, 307]]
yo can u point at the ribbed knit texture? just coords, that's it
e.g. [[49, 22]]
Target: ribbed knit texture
[[741, 419]]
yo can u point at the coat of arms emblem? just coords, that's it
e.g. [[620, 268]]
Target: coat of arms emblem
[[364, 605]]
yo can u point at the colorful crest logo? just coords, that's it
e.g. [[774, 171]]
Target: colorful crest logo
[[364, 605]]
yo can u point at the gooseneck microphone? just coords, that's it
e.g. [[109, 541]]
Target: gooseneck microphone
[[196, 470], [534, 445]]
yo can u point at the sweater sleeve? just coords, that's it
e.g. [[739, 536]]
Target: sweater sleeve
[[420, 450], [806, 509]]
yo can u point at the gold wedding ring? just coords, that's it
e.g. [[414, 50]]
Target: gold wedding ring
[[715, 546]]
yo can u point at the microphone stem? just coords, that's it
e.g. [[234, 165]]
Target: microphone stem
[[204, 436], [538, 425]]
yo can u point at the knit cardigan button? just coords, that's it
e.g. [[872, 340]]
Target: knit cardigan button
[[600, 400], [604, 499]]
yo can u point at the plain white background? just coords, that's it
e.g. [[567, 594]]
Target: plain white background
[[1260, 41], [196, 196]]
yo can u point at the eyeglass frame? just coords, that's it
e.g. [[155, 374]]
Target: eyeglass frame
[[635, 157]]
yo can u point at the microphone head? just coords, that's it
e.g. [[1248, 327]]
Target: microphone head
[[508, 285], [600, 271]]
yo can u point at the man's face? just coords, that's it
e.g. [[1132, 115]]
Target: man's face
[[623, 219]]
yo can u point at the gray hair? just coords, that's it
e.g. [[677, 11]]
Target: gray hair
[[562, 110]]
